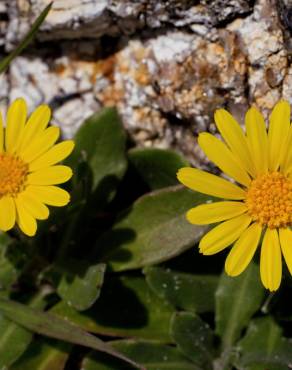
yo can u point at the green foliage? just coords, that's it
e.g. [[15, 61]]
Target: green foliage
[[121, 263], [194, 338], [13, 342], [44, 354], [237, 299], [127, 307], [153, 356], [81, 292], [186, 291], [149, 162], [99, 158], [133, 243], [263, 347]]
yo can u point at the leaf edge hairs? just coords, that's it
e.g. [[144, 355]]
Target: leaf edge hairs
[[257, 209], [28, 170]]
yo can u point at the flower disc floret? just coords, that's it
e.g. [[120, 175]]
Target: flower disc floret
[[13, 175], [269, 200]]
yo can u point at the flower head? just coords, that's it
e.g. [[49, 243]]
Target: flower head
[[28, 170], [257, 206]]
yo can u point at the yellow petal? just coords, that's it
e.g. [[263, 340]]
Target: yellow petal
[[286, 164], [215, 212], [271, 263], [25, 220], [7, 213], [40, 144], [33, 206], [219, 154], [286, 246], [50, 176], [235, 138], [224, 234], [36, 123], [243, 250], [15, 121], [278, 133], [51, 195], [1, 134], [257, 139], [54, 155], [207, 183]]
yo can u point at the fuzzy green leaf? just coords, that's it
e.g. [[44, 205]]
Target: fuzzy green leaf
[[52, 326], [127, 307], [237, 299], [153, 230], [81, 290], [263, 347], [99, 155], [44, 354], [186, 291], [153, 356], [194, 338], [157, 167], [14, 340]]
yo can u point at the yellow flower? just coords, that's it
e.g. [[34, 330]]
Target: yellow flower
[[27, 167], [260, 205]]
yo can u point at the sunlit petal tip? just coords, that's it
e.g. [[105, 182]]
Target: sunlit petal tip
[[206, 183], [50, 176], [243, 250], [183, 171], [7, 213], [271, 260], [282, 104], [20, 101], [220, 113], [223, 157], [26, 222], [285, 236], [278, 133]]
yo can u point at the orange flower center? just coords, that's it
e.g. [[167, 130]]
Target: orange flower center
[[269, 200], [13, 174]]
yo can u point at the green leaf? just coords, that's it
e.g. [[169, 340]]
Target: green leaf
[[127, 307], [186, 291], [99, 153], [44, 354], [52, 326], [194, 338], [8, 270], [14, 340], [153, 356], [80, 289], [153, 230], [237, 299], [263, 347], [4, 64], [157, 167]]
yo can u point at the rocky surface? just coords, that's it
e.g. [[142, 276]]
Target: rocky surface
[[166, 65]]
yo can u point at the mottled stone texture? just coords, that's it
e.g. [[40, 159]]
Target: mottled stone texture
[[166, 65]]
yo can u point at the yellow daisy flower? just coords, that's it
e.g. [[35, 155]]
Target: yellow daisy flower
[[260, 204], [27, 167]]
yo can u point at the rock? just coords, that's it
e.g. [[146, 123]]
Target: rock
[[65, 83], [166, 65], [94, 18], [262, 40]]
